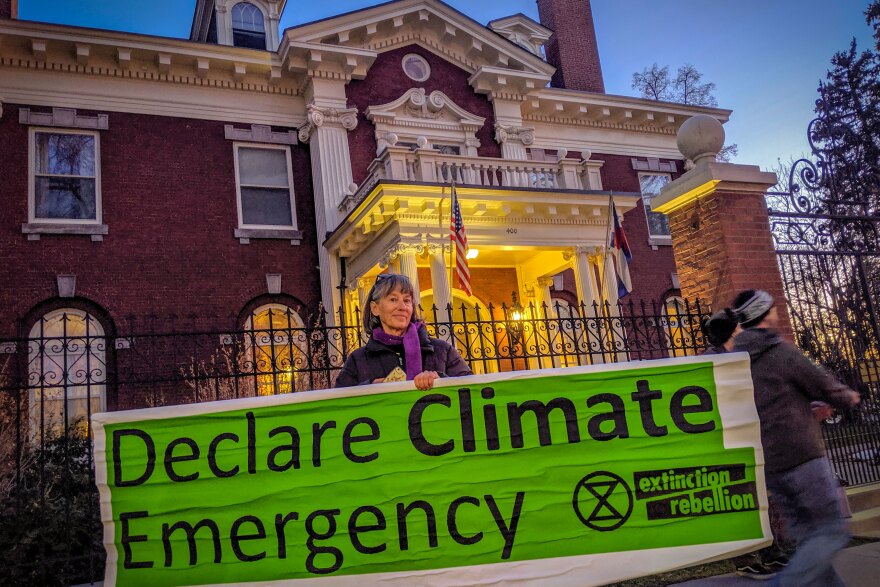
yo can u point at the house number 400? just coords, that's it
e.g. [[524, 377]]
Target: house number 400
[[511, 231]]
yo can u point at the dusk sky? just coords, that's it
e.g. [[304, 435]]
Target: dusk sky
[[765, 56]]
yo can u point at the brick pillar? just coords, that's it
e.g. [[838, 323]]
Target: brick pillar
[[8, 8], [721, 234]]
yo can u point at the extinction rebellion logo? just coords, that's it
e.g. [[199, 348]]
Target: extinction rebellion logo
[[603, 501]]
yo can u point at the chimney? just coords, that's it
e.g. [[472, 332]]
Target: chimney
[[572, 49], [8, 8]]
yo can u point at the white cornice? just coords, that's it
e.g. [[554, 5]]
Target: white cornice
[[93, 52]]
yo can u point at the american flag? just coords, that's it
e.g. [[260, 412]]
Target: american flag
[[459, 239]]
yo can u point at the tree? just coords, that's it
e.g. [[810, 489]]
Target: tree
[[846, 134], [655, 83], [872, 16], [685, 88]]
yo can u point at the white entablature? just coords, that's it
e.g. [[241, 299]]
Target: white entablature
[[435, 117]]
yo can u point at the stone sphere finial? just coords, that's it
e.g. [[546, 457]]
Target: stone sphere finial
[[700, 137]]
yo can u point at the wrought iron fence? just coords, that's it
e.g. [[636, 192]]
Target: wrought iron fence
[[71, 366], [825, 229]]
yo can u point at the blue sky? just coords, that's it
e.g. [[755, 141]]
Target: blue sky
[[765, 56]]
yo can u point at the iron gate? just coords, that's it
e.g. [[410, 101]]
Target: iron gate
[[825, 230]]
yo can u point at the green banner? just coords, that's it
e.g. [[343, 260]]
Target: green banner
[[512, 476]]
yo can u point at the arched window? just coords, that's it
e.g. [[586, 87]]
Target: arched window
[[248, 28], [67, 373], [276, 346]]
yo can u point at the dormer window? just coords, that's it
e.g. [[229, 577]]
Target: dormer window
[[248, 28]]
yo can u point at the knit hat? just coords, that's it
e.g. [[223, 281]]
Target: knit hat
[[719, 327], [752, 306]]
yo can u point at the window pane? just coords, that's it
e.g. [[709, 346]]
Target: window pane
[[266, 206], [652, 184], [68, 198], [658, 224], [262, 167], [248, 39], [65, 154], [247, 17]]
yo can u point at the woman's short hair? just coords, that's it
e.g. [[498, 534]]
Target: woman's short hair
[[385, 284]]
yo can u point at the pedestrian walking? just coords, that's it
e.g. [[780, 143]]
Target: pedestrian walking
[[797, 470]]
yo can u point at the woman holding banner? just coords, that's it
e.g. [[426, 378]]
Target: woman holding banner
[[398, 341]]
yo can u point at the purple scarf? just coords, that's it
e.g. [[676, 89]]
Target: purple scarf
[[412, 349]]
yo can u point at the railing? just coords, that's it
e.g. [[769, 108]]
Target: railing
[[71, 367], [432, 166]]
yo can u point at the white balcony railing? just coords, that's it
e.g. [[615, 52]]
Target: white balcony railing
[[431, 166]]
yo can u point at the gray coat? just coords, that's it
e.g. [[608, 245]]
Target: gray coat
[[785, 383], [375, 360]]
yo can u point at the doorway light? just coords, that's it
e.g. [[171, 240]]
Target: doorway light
[[472, 253]]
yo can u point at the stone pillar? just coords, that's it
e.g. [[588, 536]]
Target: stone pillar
[[440, 279], [327, 133], [719, 223], [586, 291], [543, 298], [363, 289], [514, 140], [406, 255]]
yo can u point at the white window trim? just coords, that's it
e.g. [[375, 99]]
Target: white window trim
[[36, 226], [279, 231], [424, 62], [654, 239]]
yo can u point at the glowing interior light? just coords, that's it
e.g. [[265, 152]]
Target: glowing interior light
[[517, 316], [472, 253]]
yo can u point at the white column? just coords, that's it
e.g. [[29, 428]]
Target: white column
[[440, 280], [407, 260], [514, 140], [583, 277], [363, 290], [327, 133], [543, 298], [224, 23]]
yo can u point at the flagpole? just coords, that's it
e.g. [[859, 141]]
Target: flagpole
[[607, 244]]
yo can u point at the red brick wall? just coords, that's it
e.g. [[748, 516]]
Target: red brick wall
[[168, 193], [490, 285], [572, 49], [386, 82], [8, 8], [723, 246], [651, 270]]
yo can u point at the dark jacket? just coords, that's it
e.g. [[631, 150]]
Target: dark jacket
[[785, 383], [375, 361], [714, 350]]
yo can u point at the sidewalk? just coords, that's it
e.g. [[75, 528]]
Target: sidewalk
[[859, 566]]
